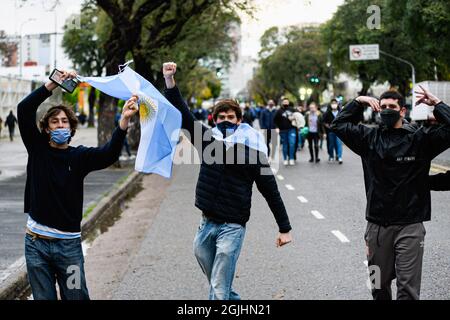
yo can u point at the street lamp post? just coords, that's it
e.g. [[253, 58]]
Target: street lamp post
[[413, 73]]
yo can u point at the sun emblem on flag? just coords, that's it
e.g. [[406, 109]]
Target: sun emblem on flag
[[147, 108]]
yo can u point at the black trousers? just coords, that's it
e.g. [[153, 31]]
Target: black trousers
[[313, 138]]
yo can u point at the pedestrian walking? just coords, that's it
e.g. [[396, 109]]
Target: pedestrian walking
[[11, 121], [334, 144], [267, 124], [283, 121], [314, 122]]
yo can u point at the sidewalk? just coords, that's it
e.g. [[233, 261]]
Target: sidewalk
[[13, 159]]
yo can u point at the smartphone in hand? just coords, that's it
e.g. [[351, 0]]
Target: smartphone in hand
[[68, 85]]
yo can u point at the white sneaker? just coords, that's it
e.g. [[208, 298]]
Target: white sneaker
[[285, 162], [132, 157], [122, 158], [292, 162], [340, 160]]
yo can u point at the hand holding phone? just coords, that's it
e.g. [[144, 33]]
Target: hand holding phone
[[66, 80]]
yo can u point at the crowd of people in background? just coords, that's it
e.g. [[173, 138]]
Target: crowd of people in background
[[291, 125]]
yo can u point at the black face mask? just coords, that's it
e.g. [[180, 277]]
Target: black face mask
[[390, 117], [226, 127]]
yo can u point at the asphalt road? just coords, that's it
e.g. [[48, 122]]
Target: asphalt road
[[326, 204]]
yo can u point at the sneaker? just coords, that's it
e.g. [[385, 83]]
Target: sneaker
[[285, 162], [317, 160], [330, 159], [340, 160], [132, 157], [311, 160], [122, 158], [291, 162]]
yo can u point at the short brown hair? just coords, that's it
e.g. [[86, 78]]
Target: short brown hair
[[53, 111], [225, 106]]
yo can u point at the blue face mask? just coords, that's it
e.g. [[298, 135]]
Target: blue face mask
[[227, 128], [60, 136]]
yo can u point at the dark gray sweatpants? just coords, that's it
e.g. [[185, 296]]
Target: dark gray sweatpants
[[395, 251]]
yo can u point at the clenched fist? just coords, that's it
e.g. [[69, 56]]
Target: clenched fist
[[169, 70]]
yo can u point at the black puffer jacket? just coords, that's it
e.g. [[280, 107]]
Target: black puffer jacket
[[224, 190], [396, 163]]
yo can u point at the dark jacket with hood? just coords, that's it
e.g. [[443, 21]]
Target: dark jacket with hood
[[224, 187], [396, 163]]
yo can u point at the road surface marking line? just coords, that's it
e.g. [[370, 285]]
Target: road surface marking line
[[340, 236], [280, 177], [302, 199], [289, 187], [317, 214]]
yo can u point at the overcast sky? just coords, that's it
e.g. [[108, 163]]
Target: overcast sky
[[270, 13]]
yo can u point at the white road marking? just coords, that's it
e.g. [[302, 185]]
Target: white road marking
[[280, 177], [302, 199], [289, 187], [317, 214], [340, 236]]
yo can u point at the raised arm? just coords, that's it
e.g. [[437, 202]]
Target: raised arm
[[439, 135], [173, 94], [103, 157], [346, 124]]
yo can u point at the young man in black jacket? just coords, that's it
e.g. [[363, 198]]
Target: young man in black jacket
[[224, 190], [396, 159], [54, 193]]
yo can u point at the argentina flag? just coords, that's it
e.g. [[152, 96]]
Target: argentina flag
[[160, 120]]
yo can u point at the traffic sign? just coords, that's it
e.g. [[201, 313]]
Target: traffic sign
[[360, 52]]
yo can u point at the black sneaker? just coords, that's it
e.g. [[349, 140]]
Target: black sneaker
[[311, 160], [317, 160]]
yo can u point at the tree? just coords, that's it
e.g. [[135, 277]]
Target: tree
[[85, 47], [145, 30], [294, 56], [410, 29]]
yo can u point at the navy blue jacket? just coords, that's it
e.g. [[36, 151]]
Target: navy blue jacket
[[224, 189]]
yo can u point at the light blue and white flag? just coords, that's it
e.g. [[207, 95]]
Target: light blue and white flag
[[160, 120], [245, 135]]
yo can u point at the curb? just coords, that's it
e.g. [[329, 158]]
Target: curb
[[16, 285]]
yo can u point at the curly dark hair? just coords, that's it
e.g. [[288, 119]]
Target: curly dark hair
[[54, 111], [225, 106]]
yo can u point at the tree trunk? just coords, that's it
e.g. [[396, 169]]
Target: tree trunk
[[91, 99]]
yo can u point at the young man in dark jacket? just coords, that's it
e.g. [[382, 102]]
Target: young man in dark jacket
[[396, 159], [54, 193], [224, 190]]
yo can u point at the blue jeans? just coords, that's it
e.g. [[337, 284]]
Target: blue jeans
[[217, 247], [334, 145], [288, 141], [49, 261]]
